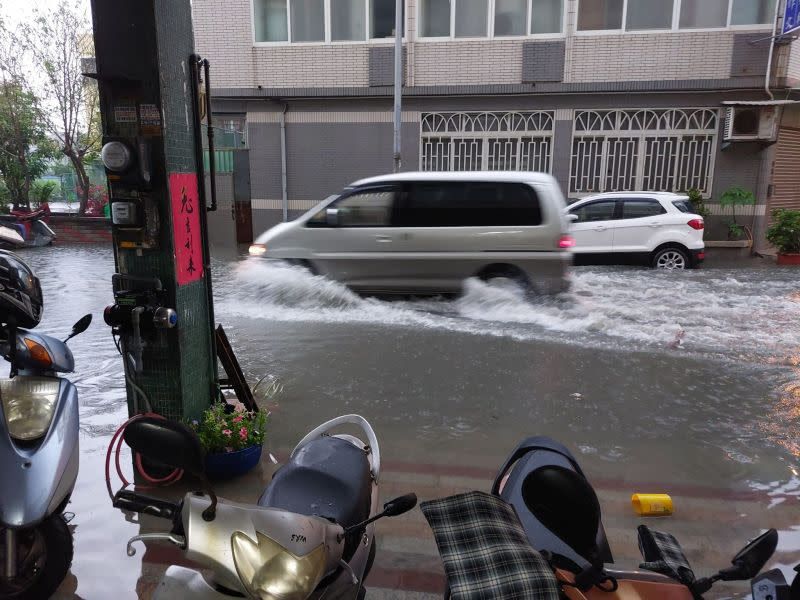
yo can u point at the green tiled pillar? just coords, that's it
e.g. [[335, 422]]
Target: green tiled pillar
[[142, 49]]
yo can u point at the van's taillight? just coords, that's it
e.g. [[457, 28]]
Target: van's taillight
[[696, 224], [566, 241]]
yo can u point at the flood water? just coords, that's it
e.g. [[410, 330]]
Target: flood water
[[688, 379]]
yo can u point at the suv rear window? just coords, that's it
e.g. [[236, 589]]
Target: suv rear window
[[469, 204], [640, 208], [685, 206]]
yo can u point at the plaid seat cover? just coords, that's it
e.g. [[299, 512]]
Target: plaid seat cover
[[663, 554], [485, 551]]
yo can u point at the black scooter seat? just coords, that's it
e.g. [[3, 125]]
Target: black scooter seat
[[328, 477]]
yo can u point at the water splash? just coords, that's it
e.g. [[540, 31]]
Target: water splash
[[745, 314]]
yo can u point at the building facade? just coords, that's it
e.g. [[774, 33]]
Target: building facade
[[607, 95]]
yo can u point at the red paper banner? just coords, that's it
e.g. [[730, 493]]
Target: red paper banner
[[186, 225]]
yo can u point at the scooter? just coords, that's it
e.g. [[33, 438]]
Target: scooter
[[311, 534], [38, 462], [31, 228], [544, 508]]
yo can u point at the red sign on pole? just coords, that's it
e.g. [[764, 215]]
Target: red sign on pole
[[186, 226]]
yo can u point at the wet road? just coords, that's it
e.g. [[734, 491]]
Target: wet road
[[684, 382]]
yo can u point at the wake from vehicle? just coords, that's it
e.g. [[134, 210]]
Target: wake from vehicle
[[734, 313]]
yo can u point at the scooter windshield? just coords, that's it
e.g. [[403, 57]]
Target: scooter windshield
[[270, 572]]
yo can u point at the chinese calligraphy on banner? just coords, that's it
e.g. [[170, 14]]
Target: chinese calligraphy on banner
[[186, 226]]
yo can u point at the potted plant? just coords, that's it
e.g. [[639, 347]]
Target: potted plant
[[784, 234], [232, 439], [737, 196]]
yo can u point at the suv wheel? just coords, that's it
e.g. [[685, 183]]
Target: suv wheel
[[671, 259]]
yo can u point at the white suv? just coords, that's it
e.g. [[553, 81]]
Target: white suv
[[657, 228]]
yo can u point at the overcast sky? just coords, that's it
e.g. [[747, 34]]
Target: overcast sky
[[19, 10]]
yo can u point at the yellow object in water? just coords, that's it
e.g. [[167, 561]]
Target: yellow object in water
[[652, 505]]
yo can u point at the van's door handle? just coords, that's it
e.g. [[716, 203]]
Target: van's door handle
[[383, 238], [600, 228], [655, 224]]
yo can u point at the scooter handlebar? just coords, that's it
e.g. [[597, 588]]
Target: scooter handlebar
[[133, 502]]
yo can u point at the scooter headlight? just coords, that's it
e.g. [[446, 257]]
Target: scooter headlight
[[28, 405], [269, 571]]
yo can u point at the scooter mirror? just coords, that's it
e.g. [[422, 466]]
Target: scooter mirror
[[166, 442], [752, 558], [400, 505], [81, 326]]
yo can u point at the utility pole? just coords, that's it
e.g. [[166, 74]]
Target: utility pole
[[163, 313], [398, 80]]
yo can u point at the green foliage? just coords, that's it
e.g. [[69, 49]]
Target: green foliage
[[737, 196], [698, 203], [41, 192], [784, 233], [25, 148], [5, 197], [222, 432], [735, 230]]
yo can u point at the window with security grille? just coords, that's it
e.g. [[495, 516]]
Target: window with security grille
[[656, 150], [487, 141]]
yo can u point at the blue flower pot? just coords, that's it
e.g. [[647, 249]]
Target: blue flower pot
[[227, 465]]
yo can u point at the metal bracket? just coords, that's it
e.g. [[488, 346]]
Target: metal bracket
[[155, 537]]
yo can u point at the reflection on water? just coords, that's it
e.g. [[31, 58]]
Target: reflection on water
[[681, 378]]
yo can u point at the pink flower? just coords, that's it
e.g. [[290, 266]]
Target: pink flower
[[243, 433], [238, 419], [226, 432]]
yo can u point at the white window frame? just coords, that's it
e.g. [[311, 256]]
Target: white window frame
[[490, 25], [435, 125], [618, 116], [676, 16], [327, 23]]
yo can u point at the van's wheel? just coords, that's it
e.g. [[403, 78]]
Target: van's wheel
[[44, 555], [670, 258], [506, 277]]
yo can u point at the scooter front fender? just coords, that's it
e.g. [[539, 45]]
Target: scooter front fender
[[180, 583], [36, 480]]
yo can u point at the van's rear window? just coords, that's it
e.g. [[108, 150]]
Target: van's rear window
[[683, 205], [469, 204]]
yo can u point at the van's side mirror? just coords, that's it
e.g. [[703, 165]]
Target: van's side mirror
[[332, 217], [572, 217]]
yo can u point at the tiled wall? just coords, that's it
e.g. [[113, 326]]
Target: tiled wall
[[223, 34]]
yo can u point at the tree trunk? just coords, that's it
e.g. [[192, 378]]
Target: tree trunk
[[82, 181]]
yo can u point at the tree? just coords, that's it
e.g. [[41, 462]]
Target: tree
[[57, 42], [24, 146]]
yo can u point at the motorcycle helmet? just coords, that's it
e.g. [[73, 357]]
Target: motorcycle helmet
[[21, 301]]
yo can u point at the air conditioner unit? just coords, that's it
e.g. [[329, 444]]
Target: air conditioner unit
[[751, 123]]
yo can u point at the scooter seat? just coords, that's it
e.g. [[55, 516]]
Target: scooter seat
[[328, 477]]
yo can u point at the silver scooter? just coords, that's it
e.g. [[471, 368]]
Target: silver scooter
[[311, 535], [38, 462]]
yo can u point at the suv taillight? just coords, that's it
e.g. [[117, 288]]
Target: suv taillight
[[566, 241], [696, 224]]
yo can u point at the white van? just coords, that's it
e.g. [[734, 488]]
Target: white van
[[423, 233]]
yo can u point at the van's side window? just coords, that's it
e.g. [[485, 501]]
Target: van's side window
[[457, 204], [370, 208]]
